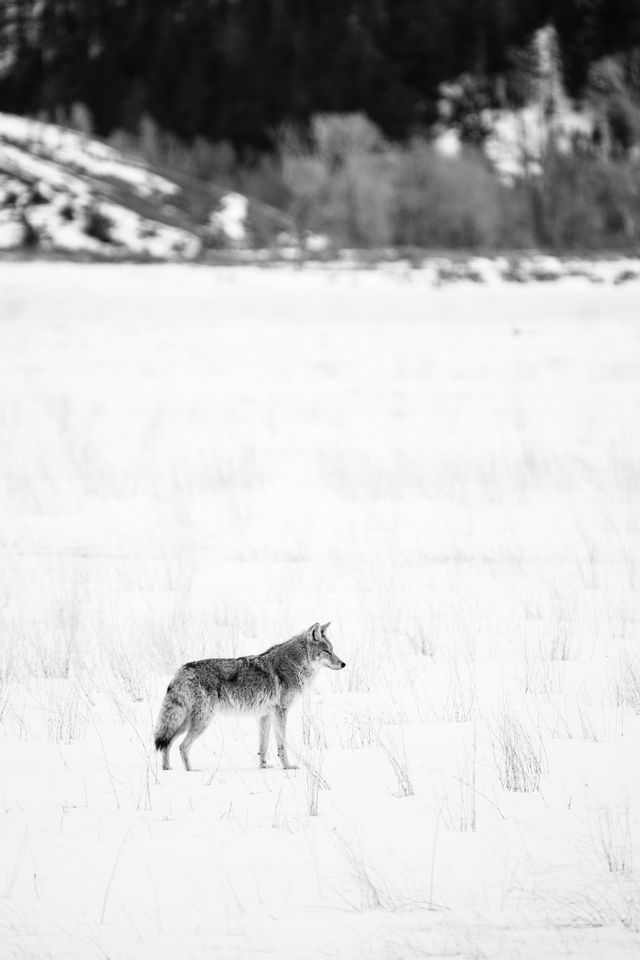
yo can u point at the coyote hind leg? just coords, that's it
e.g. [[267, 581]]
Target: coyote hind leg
[[200, 718], [166, 765]]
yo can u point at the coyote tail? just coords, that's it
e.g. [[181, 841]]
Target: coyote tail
[[172, 718]]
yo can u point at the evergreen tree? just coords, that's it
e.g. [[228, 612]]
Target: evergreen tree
[[237, 69]]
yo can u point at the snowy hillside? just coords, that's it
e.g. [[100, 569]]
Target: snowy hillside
[[63, 191]]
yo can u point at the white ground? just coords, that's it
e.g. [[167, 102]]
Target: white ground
[[200, 463]]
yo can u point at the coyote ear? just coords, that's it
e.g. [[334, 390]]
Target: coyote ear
[[313, 632], [325, 627]]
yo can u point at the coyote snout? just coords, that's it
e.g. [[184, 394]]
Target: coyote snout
[[266, 684]]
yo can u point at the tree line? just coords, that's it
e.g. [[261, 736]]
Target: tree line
[[236, 70]]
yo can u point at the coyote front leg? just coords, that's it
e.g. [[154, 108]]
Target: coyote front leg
[[280, 717], [265, 727]]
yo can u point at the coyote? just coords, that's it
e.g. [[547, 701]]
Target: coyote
[[265, 684]]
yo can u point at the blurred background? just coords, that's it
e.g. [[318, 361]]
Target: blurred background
[[448, 124]]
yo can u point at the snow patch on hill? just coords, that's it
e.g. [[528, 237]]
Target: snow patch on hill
[[81, 153], [61, 191], [229, 222]]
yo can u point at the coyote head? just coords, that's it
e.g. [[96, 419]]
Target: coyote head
[[320, 649]]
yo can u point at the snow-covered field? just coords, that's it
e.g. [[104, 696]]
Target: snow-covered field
[[203, 462]]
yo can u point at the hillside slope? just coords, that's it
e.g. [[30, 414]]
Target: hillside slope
[[62, 191]]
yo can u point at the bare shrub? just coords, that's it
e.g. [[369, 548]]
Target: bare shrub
[[339, 136], [445, 202], [360, 209], [340, 179], [590, 202], [518, 752], [5, 688], [375, 891], [458, 804], [80, 119], [421, 637], [304, 173], [126, 666], [615, 837], [364, 732], [461, 703], [66, 720], [313, 731], [314, 781], [395, 750], [626, 683]]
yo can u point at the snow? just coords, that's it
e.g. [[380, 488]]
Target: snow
[[316, 242], [84, 154], [58, 233], [48, 174], [447, 143], [11, 234], [143, 236], [201, 462], [519, 138], [230, 221]]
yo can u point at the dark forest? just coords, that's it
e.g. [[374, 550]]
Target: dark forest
[[236, 69]]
